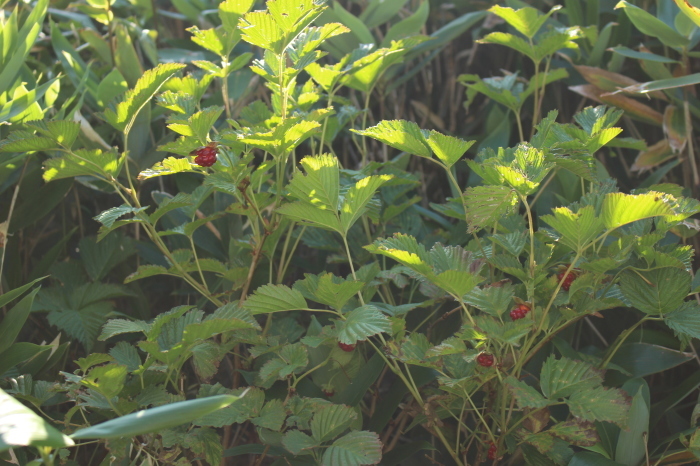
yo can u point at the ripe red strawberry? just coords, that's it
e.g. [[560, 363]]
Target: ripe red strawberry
[[493, 450], [205, 156], [519, 311], [485, 360], [329, 393], [346, 347], [566, 279]]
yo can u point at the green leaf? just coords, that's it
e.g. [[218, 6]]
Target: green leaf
[[494, 300], [620, 209], [109, 216], [486, 204], [10, 296], [448, 148], [662, 84], [632, 441], [230, 12], [108, 380], [525, 395], [456, 282], [354, 449], [119, 326], [577, 229], [311, 215], [330, 421], [575, 432], [169, 166], [211, 39], [272, 416], [14, 320], [526, 21], [355, 24], [685, 320], [24, 141], [643, 359], [124, 116], [563, 377], [83, 162], [409, 26], [629, 53], [275, 298], [209, 328], [12, 58], [20, 427], [155, 419], [511, 41], [403, 135], [357, 197], [18, 353], [379, 12], [652, 26], [63, 132], [658, 291], [321, 184], [362, 323], [336, 294], [600, 404], [405, 250], [297, 442]]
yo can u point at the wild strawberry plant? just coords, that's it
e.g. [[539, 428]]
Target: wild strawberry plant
[[325, 299]]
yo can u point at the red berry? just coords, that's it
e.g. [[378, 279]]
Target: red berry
[[206, 156], [519, 311], [346, 347], [485, 360], [329, 393], [493, 450], [566, 279]]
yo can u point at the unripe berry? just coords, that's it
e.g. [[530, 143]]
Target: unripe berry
[[346, 347], [485, 360], [519, 311]]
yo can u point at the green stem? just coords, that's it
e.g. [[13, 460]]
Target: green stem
[[352, 267], [620, 340], [199, 267], [364, 126], [519, 122], [46, 456]]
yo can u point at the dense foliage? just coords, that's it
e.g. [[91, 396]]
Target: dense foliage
[[349, 233]]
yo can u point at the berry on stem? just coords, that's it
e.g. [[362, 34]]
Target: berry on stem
[[345, 347], [493, 450], [566, 279], [205, 156], [485, 360], [329, 393], [519, 311]]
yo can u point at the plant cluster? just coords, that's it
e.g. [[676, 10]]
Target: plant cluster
[[272, 280]]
